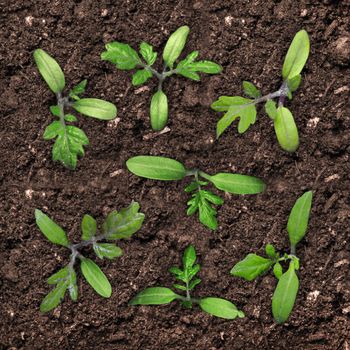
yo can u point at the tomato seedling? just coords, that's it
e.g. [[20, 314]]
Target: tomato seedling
[[167, 169], [124, 57], [254, 265], [160, 295], [70, 140], [245, 108], [118, 225]]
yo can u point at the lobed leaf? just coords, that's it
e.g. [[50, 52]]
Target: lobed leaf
[[141, 76], [154, 296], [122, 55], [53, 130], [251, 90], [220, 308], [78, 90], [88, 227], [159, 110], [96, 108], [146, 51]]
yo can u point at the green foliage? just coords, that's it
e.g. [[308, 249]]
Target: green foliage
[[70, 140], [187, 275], [253, 266], [126, 58], [116, 226], [202, 201], [245, 109]]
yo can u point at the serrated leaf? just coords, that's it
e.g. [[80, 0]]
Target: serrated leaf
[[192, 271], [297, 55], [123, 224], [55, 110], [251, 267], [59, 276], [219, 307], [285, 294], [159, 110], [141, 76], [154, 296], [52, 130], [299, 218], [277, 270], [122, 55], [107, 250], [88, 227], [270, 109], [78, 90], [95, 277], [175, 45], [157, 168], [175, 271], [53, 299], [189, 257], [50, 229], [251, 90], [96, 108], [237, 184], [49, 70], [270, 251], [294, 83], [286, 130], [211, 197], [146, 51], [194, 283]]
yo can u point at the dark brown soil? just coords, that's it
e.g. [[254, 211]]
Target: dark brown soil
[[250, 39]]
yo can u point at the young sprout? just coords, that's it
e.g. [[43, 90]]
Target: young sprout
[[126, 58], [245, 108], [70, 140], [120, 225], [188, 281], [203, 200], [254, 265]]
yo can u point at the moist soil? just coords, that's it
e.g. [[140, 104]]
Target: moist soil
[[250, 40]]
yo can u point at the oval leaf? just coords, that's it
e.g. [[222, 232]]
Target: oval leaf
[[159, 110], [157, 168], [237, 184], [286, 130], [251, 90], [96, 108], [60, 275], [154, 296], [219, 307], [285, 294], [189, 257], [297, 55], [49, 70], [175, 45], [50, 229], [96, 278], [299, 218], [88, 227], [53, 299]]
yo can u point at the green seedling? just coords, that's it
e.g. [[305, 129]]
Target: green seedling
[[254, 265], [70, 140], [120, 225], [203, 200], [245, 108], [126, 58], [160, 295]]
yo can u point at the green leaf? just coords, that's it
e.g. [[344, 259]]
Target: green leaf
[[78, 90], [187, 73], [146, 51], [251, 267], [270, 109], [59, 276], [277, 270], [123, 224], [157, 168], [297, 55], [122, 55], [286, 130], [189, 257], [95, 277], [192, 271], [299, 218], [55, 110], [140, 77], [154, 296], [208, 67], [285, 294], [194, 283], [70, 118], [294, 83], [211, 197], [180, 287], [175, 271], [72, 285], [53, 299], [107, 250], [175, 45], [52, 130], [270, 251], [159, 110], [49, 70], [250, 90], [50, 229], [88, 227], [219, 307], [194, 185], [96, 108], [237, 184]]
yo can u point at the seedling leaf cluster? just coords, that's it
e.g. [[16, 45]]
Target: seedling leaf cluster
[[124, 57], [203, 201], [187, 282]]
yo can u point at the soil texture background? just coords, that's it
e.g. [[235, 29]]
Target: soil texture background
[[250, 40]]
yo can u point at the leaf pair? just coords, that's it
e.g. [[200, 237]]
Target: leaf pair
[[254, 265], [167, 169], [160, 295]]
